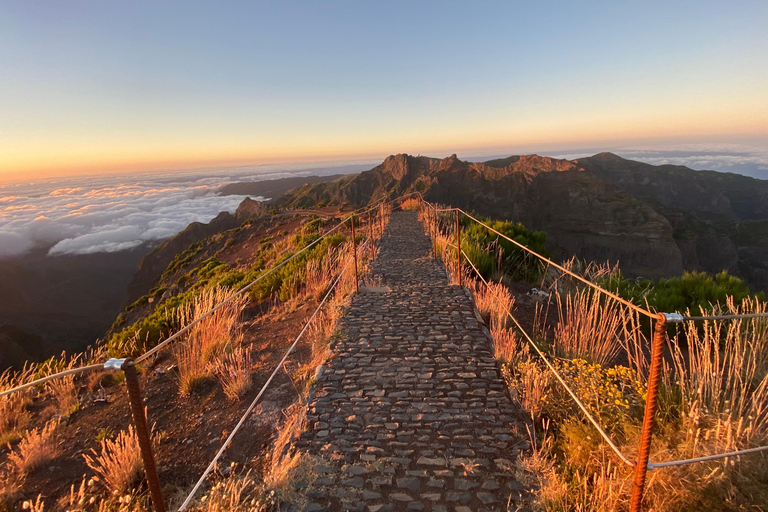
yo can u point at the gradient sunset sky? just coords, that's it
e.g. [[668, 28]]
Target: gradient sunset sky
[[102, 86]]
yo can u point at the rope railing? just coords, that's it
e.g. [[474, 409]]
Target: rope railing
[[557, 375], [642, 464], [127, 365], [189, 326], [248, 411]]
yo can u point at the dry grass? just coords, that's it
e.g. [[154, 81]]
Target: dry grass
[[14, 417], [494, 302], [197, 355], [508, 347], [38, 505], [411, 204], [65, 392], [588, 328], [118, 463], [234, 373], [36, 448], [236, 493]]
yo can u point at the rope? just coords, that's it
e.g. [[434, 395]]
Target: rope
[[186, 328], [255, 400], [560, 379], [563, 269], [73, 371], [474, 268], [656, 465], [726, 317]]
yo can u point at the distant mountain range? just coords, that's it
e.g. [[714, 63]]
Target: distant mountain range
[[655, 220]]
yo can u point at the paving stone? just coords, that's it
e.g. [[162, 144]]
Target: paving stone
[[412, 395]]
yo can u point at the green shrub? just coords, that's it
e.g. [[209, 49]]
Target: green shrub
[[697, 291], [490, 252]]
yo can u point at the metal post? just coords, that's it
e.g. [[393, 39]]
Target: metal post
[[651, 404], [458, 246], [434, 233], [354, 251], [381, 219], [370, 234], [142, 432]]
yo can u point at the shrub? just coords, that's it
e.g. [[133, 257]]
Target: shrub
[[35, 449], [234, 373], [118, 463], [698, 291], [491, 253]]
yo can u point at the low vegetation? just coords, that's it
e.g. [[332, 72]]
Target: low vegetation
[[210, 354], [117, 462], [714, 397], [36, 448], [694, 291]]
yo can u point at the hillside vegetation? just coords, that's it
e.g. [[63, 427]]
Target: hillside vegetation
[[713, 399]]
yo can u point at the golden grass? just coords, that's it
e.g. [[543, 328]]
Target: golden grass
[[508, 347], [411, 204], [118, 463], [198, 352], [234, 373], [236, 493], [588, 327], [36, 448]]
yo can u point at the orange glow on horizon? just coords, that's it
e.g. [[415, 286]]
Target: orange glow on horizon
[[66, 157]]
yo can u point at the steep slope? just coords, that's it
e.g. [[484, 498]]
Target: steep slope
[[581, 213], [153, 264], [720, 220]]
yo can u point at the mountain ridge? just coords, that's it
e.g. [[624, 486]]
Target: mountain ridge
[[602, 207]]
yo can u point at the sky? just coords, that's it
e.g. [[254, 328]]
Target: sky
[[112, 86]]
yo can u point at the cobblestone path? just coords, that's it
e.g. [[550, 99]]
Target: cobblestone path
[[411, 412]]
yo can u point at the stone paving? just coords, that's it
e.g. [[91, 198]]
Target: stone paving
[[411, 412]]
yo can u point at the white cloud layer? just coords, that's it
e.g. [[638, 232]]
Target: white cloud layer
[[114, 213], [82, 220]]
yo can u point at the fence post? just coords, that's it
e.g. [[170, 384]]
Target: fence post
[[142, 432], [434, 231], [458, 246], [354, 251], [370, 234], [651, 404]]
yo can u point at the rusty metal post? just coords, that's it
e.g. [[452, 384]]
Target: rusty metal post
[[458, 246], [142, 432], [354, 251], [381, 219], [434, 232], [651, 404], [370, 234]]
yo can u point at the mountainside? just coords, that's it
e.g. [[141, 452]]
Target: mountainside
[[54, 303], [655, 220]]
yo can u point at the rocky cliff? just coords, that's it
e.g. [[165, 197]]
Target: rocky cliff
[[656, 221]]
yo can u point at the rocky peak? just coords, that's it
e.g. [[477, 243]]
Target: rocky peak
[[249, 209]]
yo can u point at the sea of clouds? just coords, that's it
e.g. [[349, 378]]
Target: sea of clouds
[[114, 213]]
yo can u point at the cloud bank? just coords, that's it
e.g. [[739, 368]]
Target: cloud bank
[[115, 213], [82, 220]]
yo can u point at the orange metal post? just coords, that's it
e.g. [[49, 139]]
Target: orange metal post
[[142, 433], [651, 404], [458, 246], [370, 234], [354, 251]]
